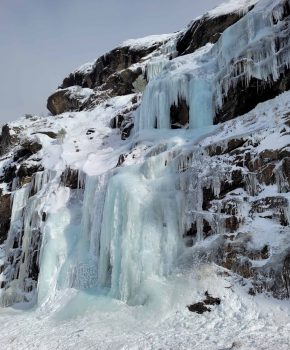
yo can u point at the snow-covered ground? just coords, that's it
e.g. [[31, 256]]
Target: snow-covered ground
[[82, 320]]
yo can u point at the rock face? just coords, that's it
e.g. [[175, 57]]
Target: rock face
[[108, 65], [5, 214], [61, 102], [116, 72], [113, 74], [231, 208], [203, 31], [243, 98], [6, 139]]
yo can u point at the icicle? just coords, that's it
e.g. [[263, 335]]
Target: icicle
[[23, 242]]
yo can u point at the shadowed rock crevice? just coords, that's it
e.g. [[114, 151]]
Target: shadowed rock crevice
[[179, 115]]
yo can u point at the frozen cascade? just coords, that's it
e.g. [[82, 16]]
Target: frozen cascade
[[156, 64], [70, 246], [126, 228], [193, 85], [140, 237], [257, 46], [23, 242], [127, 234]]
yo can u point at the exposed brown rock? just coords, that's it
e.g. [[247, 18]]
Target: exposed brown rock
[[32, 146], [203, 31], [70, 178], [61, 101], [6, 139], [242, 98], [5, 214], [179, 115]]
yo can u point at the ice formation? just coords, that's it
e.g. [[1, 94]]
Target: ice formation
[[124, 228], [257, 46]]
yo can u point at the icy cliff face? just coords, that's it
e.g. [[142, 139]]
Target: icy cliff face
[[129, 182]]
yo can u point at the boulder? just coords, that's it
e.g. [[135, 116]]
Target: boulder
[[61, 101]]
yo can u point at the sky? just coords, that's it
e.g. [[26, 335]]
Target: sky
[[42, 41]]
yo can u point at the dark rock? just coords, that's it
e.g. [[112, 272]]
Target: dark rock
[[90, 131], [232, 144], [262, 254], [9, 173], [126, 131], [5, 214], [61, 101], [232, 224], [199, 308], [286, 274], [44, 216], [31, 146], [70, 178], [117, 121], [110, 76], [203, 31], [242, 98], [263, 204], [50, 134], [120, 84], [6, 139], [179, 115], [28, 170], [237, 181], [285, 167], [21, 154], [117, 60], [121, 159], [207, 229], [190, 235], [211, 300]]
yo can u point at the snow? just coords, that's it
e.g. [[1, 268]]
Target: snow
[[231, 6], [86, 68], [87, 321], [147, 41]]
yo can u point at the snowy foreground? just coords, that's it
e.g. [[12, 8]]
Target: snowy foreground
[[94, 322]]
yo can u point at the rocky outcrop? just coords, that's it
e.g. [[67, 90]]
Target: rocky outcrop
[[243, 97], [232, 204], [70, 178], [113, 74], [205, 30], [61, 101], [107, 65], [203, 306], [5, 214], [124, 119], [7, 140]]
